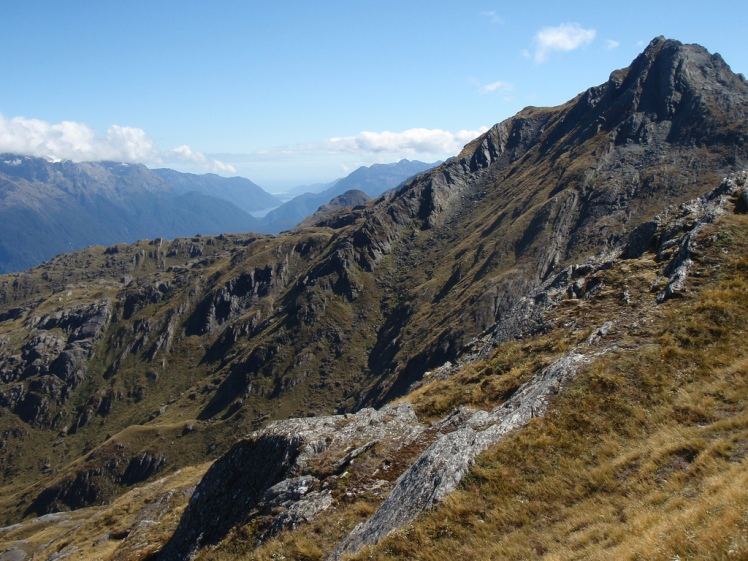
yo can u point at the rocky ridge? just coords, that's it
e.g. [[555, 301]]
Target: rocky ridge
[[55, 357], [448, 446], [214, 336], [597, 175]]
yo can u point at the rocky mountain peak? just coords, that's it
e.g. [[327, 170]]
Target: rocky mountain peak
[[672, 92], [680, 93]]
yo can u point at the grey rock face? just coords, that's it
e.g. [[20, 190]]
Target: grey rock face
[[232, 299], [53, 361], [441, 468], [142, 467], [264, 475], [679, 225], [292, 502], [230, 490]]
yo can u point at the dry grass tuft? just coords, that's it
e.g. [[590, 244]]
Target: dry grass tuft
[[643, 457]]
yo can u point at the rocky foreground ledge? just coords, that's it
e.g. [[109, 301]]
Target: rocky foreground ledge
[[282, 476]]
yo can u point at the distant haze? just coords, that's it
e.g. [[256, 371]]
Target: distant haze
[[306, 92]]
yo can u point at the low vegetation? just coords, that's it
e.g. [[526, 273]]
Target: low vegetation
[[123, 365], [642, 457]]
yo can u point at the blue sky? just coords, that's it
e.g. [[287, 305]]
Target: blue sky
[[297, 92]]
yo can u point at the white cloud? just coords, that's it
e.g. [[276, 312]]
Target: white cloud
[[434, 142], [501, 87], [185, 154], [565, 37], [127, 144], [610, 44], [78, 142], [69, 140]]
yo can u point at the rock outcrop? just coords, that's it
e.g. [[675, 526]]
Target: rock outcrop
[[94, 481], [232, 299], [274, 477], [441, 468], [53, 362]]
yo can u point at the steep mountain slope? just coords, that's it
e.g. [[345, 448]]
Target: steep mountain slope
[[544, 189], [131, 361], [641, 455], [372, 180], [237, 190], [620, 433], [48, 208]]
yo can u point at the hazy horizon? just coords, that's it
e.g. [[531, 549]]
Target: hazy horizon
[[295, 94]]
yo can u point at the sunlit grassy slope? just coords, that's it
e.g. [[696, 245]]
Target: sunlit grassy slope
[[642, 457]]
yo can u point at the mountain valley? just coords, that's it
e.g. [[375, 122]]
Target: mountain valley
[[48, 208], [530, 350]]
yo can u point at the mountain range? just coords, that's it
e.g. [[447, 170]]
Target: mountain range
[[48, 208], [237, 190], [530, 350], [373, 181]]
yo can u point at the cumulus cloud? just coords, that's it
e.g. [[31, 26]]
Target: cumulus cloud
[[69, 140], [78, 142], [565, 37], [186, 154], [501, 87], [434, 142]]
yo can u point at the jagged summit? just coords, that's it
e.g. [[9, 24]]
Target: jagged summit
[[674, 93], [671, 91], [194, 341], [559, 184], [679, 92]]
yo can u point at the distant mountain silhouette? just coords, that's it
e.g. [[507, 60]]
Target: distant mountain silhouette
[[237, 190], [373, 180], [47, 208]]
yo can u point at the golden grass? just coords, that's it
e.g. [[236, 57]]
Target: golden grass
[[643, 457], [132, 527]]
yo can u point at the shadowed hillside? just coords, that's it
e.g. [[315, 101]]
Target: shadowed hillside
[[48, 208]]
